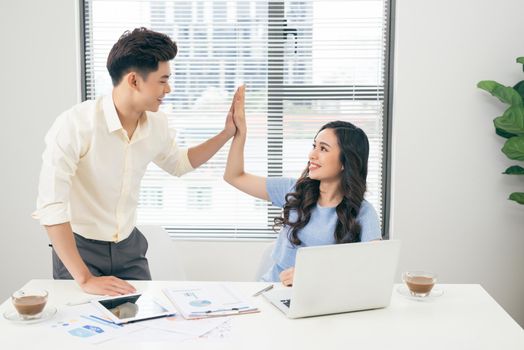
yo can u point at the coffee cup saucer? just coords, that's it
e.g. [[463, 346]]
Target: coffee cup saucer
[[12, 315], [435, 293]]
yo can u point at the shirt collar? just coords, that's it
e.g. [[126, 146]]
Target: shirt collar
[[112, 120], [142, 129]]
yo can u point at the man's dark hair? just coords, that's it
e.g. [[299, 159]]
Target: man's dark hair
[[140, 51]]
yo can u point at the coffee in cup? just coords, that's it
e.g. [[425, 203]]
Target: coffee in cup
[[29, 303], [420, 283]]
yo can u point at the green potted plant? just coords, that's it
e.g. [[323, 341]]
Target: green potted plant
[[510, 125]]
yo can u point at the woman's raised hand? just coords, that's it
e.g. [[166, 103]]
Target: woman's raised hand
[[239, 116]]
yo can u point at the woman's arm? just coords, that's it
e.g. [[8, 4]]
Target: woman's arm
[[234, 173]]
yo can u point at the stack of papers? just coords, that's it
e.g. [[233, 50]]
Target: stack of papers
[[86, 324], [208, 301]]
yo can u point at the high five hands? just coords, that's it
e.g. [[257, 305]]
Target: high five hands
[[236, 119]]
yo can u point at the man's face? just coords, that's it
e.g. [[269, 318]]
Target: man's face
[[152, 90]]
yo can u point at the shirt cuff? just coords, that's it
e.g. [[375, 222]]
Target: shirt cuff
[[52, 214], [184, 165]]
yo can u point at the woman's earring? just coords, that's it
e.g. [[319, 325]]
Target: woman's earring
[[342, 168]]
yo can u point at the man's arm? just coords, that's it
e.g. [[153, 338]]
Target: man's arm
[[59, 165], [200, 154], [63, 241]]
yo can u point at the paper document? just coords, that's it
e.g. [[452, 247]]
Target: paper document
[[86, 324], [181, 325], [208, 301], [147, 336]]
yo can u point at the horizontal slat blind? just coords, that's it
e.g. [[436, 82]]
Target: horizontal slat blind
[[304, 63]]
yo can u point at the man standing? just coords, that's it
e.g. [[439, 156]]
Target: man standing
[[95, 157]]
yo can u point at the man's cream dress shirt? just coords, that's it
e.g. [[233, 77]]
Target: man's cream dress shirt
[[91, 170]]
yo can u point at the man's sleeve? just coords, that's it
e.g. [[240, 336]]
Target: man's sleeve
[[173, 159], [59, 164]]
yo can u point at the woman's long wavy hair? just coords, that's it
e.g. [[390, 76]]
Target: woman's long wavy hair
[[354, 153]]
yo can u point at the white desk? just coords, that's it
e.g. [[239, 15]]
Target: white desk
[[465, 317]]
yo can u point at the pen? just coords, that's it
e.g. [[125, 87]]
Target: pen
[[102, 321], [80, 302], [263, 290], [84, 301], [219, 311]]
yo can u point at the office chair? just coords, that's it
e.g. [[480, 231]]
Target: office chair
[[265, 261], [164, 262]]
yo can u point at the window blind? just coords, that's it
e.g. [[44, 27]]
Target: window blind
[[304, 63]]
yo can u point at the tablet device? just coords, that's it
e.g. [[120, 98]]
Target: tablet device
[[131, 308]]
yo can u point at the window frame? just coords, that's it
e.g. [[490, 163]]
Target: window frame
[[278, 92]]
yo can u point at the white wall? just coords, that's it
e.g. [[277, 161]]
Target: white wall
[[449, 197], [38, 71], [449, 205]]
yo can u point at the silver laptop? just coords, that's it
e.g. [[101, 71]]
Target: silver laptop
[[339, 278]]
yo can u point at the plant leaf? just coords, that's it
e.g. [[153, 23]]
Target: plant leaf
[[519, 87], [514, 148], [517, 197], [514, 170], [512, 121], [505, 94], [503, 133], [521, 60]]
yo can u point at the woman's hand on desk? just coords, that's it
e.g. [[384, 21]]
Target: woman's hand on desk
[[107, 285], [286, 276]]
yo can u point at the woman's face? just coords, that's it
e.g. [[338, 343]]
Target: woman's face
[[324, 157]]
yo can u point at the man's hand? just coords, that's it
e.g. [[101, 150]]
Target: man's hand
[[200, 154], [107, 285], [230, 127], [239, 115], [286, 276]]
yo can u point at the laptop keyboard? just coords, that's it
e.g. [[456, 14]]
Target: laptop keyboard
[[286, 302]]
